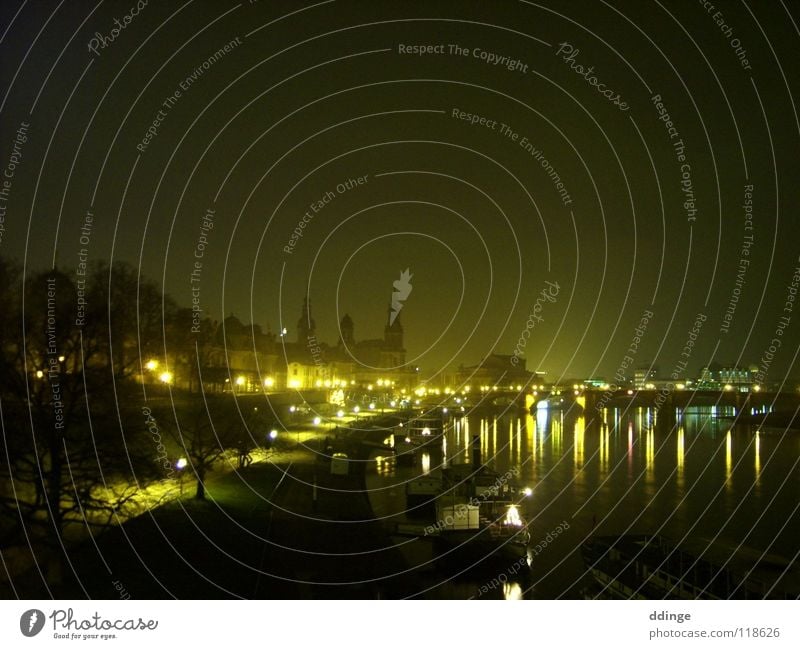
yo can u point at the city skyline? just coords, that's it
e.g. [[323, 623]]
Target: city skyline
[[682, 223]]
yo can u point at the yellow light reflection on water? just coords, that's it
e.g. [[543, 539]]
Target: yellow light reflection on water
[[681, 453], [530, 430], [604, 435], [555, 435], [728, 461], [511, 446], [758, 458], [578, 439], [650, 455]]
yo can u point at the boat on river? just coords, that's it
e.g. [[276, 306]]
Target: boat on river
[[473, 516], [655, 567]]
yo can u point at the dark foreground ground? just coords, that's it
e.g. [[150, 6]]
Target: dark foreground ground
[[263, 532]]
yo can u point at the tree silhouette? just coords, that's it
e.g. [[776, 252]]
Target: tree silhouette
[[206, 428], [72, 441]]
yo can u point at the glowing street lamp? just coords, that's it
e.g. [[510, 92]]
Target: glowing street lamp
[[165, 377], [181, 465], [152, 365], [273, 434], [269, 382], [317, 421]]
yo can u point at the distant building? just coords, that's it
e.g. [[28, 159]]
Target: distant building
[[719, 377], [242, 358], [494, 370], [643, 376]]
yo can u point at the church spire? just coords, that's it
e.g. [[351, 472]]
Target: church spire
[[306, 327]]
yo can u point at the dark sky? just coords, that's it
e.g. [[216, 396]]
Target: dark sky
[[306, 99]]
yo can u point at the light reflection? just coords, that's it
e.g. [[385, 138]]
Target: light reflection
[[512, 591], [530, 429], [728, 461], [511, 447], [604, 437], [681, 452], [426, 463], [578, 439], [555, 435], [649, 455], [758, 458], [541, 427]]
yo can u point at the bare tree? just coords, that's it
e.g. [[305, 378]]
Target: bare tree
[[69, 453]]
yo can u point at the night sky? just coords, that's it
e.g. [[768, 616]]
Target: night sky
[[308, 97]]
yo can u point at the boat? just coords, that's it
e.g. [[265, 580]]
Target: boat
[[419, 433], [655, 567], [469, 517]]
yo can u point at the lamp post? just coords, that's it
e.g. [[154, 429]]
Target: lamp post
[[181, 465]]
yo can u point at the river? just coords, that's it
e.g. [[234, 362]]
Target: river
[[701, 477]]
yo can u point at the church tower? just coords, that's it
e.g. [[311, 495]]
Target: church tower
[[393, 354], [306, 327], [347, 331], [393, 331]]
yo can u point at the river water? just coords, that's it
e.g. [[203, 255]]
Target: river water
[[701, 477]]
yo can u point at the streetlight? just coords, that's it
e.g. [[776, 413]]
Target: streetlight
[[181, 465]]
